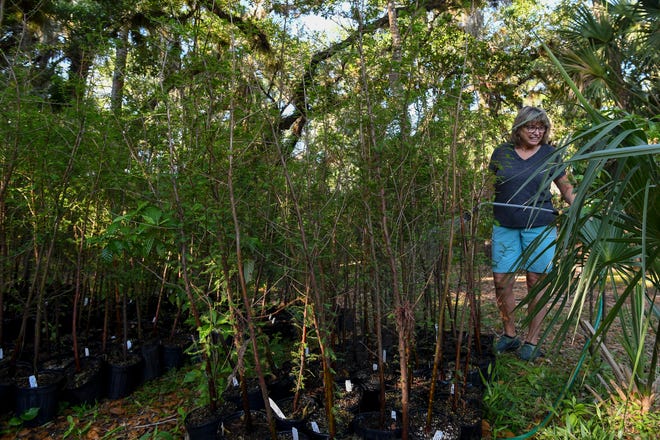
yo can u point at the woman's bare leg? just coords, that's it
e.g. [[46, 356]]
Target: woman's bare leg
[[536, 320], [506, 300]]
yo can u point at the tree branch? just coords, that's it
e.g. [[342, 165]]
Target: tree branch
[[297, 120], [249, 28]]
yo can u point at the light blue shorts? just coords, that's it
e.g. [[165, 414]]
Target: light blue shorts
[[510, 244]]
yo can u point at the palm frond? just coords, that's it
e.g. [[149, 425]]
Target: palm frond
[[608, 245]]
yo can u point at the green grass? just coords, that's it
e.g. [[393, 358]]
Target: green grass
[[522, 395]]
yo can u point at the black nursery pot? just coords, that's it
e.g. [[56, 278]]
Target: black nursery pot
[[6, 395], [367, 426], [233, 426], [370, 401], [306, 407], [123, 377], [44, 396], [313, 435], [281, 388], [6, 390], [254, 397], [202, 424], [441, 424], [85, 386], [173, 357], [470, 430], [151, 354], [288, 435], [469, 421], [487, 343], [481, 371]]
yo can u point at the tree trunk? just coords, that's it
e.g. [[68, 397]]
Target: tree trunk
[[117, 92]]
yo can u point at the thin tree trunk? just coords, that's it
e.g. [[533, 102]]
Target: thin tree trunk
[[2, 11], [45, 263], [118, 75], [302, 356], [378, 321], [243, 286], [7, 172], [450, 245], [403, 309], [77, 291], [318, 315]]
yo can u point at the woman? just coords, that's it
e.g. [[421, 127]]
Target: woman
[[523, 210]]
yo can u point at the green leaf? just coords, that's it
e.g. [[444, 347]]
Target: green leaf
[[638, 150], [248, 270], [152, 215], [30, 414], [191, 376]]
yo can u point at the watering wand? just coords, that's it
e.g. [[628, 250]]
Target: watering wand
[[468, 214], [524, 207]]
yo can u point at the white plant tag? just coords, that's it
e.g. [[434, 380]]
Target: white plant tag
[[234, 381], [129, 344], [393, 415], [306, 351], [375, 367], [2, 354], [33, 381], [349, 386], [273, 321], [451, 389], [439, 435], [315, 427], [153, 321], [294, 433], [86, 302], [384, 356], [276, 409], [86, 352]]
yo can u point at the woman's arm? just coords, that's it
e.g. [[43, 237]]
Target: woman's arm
[[565, 188]]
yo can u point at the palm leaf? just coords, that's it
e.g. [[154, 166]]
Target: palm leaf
[[610, 233]]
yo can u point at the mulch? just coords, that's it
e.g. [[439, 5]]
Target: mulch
[[146, 411]]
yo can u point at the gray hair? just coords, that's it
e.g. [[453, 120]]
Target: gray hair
[[526, 115]]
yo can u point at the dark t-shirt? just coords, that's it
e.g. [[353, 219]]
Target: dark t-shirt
[[517, 182]]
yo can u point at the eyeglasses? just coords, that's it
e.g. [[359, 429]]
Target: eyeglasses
[[535, 128]]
